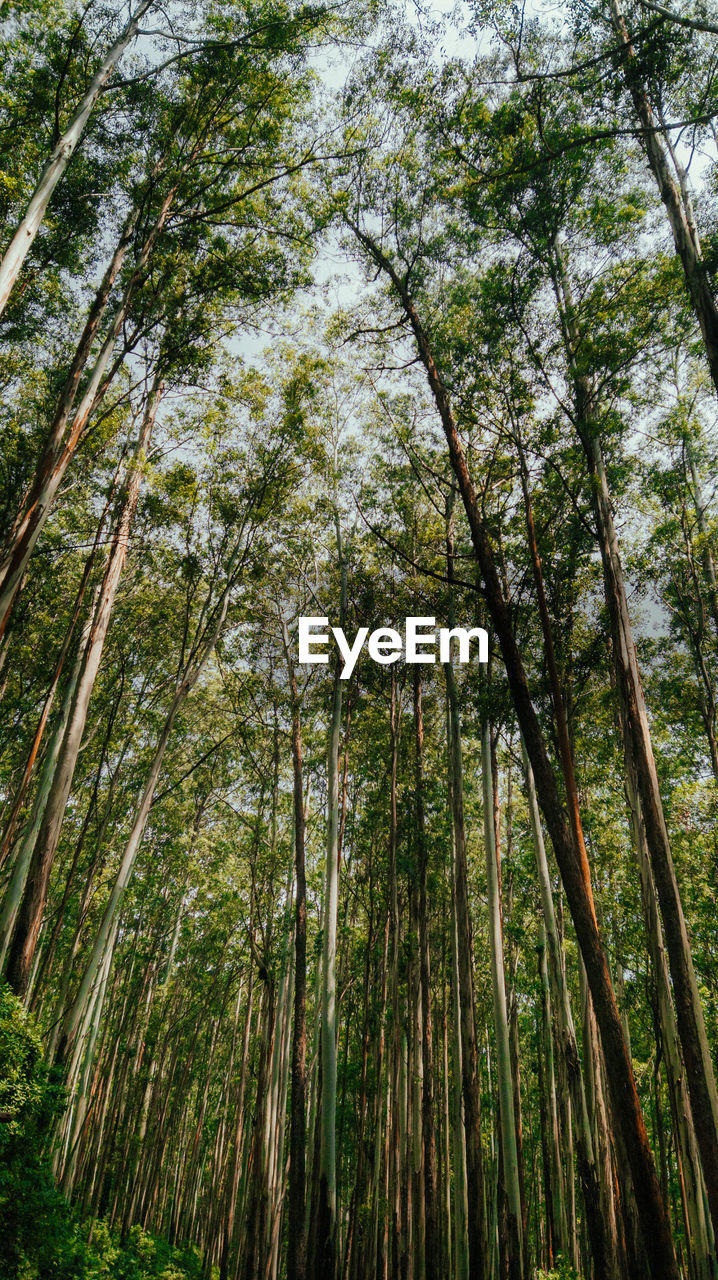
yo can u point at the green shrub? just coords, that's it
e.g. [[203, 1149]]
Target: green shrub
[[561, 1271], [40, 1235], [143, 1257]]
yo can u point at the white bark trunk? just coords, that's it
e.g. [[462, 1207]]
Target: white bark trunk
[[328, 1157], [18, 878], [58, 161], [461, 1199], [501, 1026]]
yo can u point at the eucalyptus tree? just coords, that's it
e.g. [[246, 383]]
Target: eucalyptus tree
[[649, 75], [35, 860], [539, 212], [244, 507], [679, 481], [595, 375], [222, 137], [64, 146], [301, 954], [401, 249]]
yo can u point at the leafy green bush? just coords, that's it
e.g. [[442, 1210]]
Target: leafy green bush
[[561, 1271], [142, 1257], [40, 1235], [37, 1232]]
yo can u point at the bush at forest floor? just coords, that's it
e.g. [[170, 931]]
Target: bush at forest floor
[[40, 1235]]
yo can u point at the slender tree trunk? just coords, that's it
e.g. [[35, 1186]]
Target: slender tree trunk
[[601, 1128], [689, 1011], [604, 1260], [685, 235], [603, 1243], [417, 1247], [326, 1219], [355, 1256], [461, 1199], [376, 1268], [26, 845], [58, 161], [553, 1170], [236, 1162], [276, 1115], [192, 671], [698, 1225], [705, 544], [469, 1052], [54, 684], [37, 502], [694, 627], [431, 1190], [296, 1240], [467, 1156], [469, 1063], [398, 1220], [251, 1254], [448, 1254], [27, 928], [63, 443], [79, 1084], [507, 1118]]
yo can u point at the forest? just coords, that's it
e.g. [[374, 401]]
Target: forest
[[363, 313]]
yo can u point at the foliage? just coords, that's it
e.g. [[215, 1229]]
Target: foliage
[[327, 203], [37, 1229], [41, 1235]]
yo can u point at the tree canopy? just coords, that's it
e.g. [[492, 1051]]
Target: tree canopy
[[358, 313]]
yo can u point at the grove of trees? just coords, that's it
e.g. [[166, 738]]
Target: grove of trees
[[359, 312]]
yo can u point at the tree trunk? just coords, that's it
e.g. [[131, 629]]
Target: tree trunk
[[296, 1239], [602, 1241], [514, 1241], [62, 444], [54, 684], [469, 1053], [37, 502], [236, 1161], [685, 235], [689, 1010], [699, 1231], [58, 161], [27, 929], [198, 659], [551, 1142], [326, 1217], [604, 1260], [431, 1208], [18, 878]]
